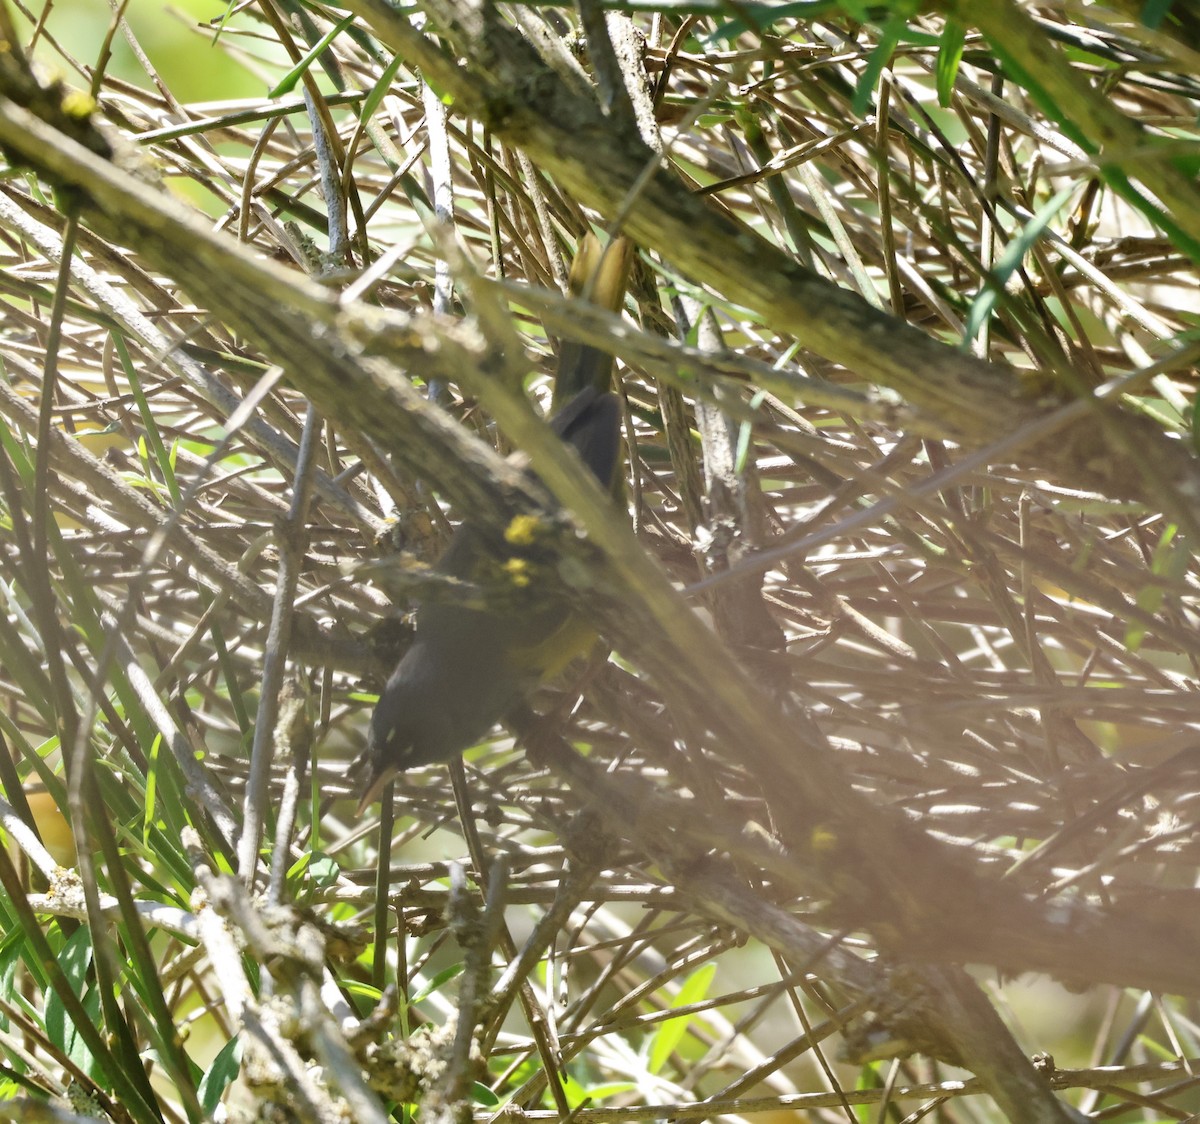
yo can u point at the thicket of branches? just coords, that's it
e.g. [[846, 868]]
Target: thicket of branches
[[903, 623]]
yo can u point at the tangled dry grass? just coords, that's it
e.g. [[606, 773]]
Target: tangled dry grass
[[977, 578]]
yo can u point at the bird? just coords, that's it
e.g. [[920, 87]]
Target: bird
[[471, 664]]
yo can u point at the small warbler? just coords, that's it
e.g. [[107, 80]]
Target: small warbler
[[469, 666]]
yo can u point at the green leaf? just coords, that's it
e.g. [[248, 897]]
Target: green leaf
[[312, 871], [436, 983], [293, 76], [152, 439], [671, 1033], [746, 435], [950, 52], [1169, 563], [74, 959], [481, 1094], [758, 18], [876, 61], [379, 90], [225, 1067], [1155, 11], [857, 10], [149, 819], [576, 1094], [1009, 262], [610, 1089], [323, 869]]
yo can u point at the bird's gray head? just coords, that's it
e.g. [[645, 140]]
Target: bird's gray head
[[458, 678], [375, 770], [413, 724]]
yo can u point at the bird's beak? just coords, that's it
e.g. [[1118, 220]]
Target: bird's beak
[[375, 786]]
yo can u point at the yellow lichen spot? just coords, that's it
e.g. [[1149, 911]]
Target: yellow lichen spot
[[822, 839], [522, 530], [76, 103], [517, 570]]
